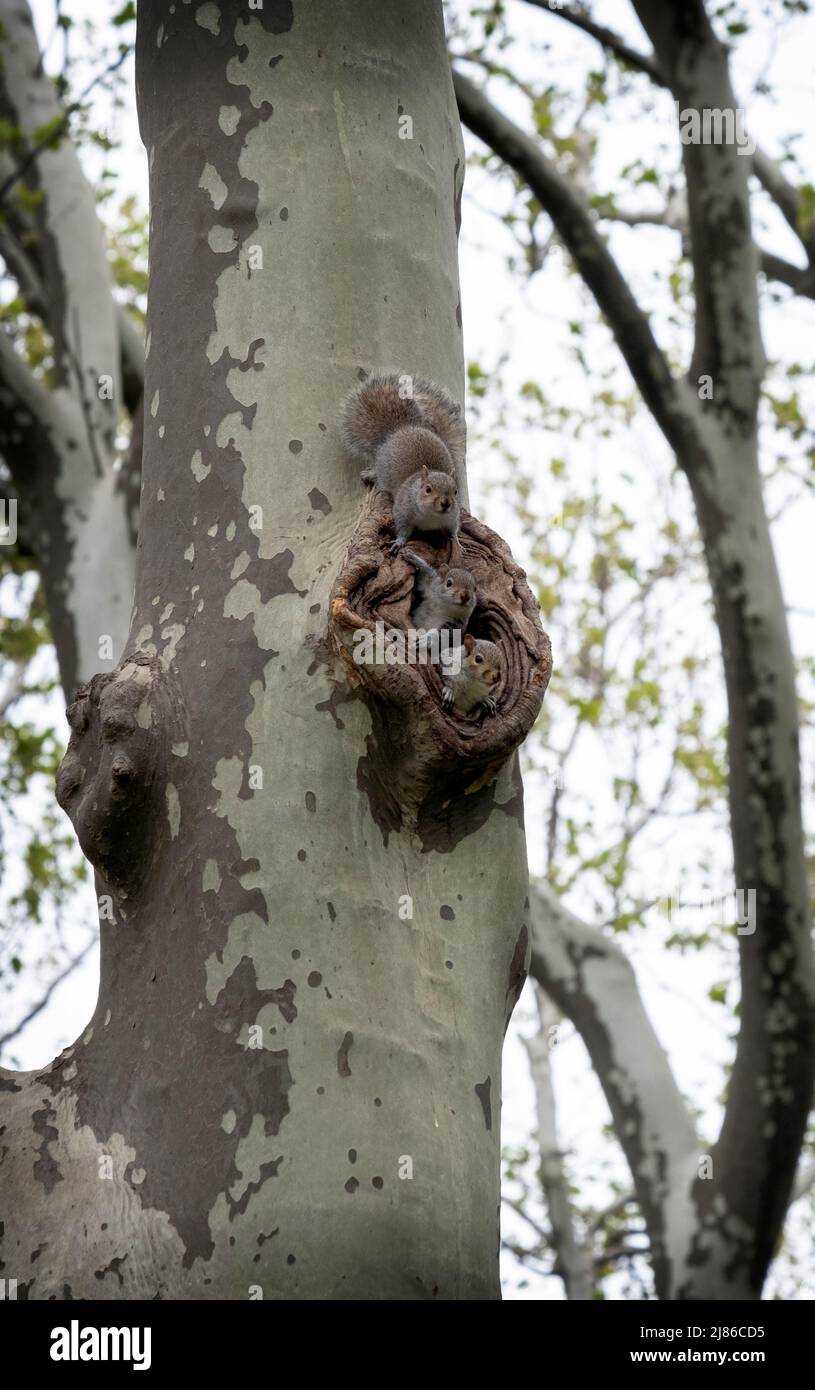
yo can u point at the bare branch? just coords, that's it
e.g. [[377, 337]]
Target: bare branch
[[577, 229], [768, 171], [801, 279], [520, 1210], [632, 57], [572, 1260], [46, 998], [592, 982], [618, 1205], [784, 194]]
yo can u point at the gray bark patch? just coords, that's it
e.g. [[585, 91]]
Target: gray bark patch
[[319, 501], [277, 16], [46, 1169], [267, 1170], [343, 1067], [482, 1090]]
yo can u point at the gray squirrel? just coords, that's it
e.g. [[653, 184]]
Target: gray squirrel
[[412, 433], [474, 683], [446, 594]]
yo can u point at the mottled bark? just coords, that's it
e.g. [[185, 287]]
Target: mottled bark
[[294, 1064], [730, 1222], [740, 1212]]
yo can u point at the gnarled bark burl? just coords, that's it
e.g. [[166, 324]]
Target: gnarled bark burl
[[426, 766]]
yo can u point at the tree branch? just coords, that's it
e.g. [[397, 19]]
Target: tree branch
[[632, 57], [727, 344], [573, 1261], [46, 998], [801, 279], [784, 194], [768, 171], [593, 984], [577, 229], [31, 418]]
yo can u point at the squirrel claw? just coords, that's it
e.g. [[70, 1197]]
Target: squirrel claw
[[447, 697], [489, 706], [393, 547]]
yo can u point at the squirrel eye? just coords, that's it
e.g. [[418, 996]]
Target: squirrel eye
[[428, 490], [479, 660], [449, 584]]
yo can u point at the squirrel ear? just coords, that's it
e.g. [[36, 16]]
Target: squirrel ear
[[443, 570], [425, 474], [469, 643]]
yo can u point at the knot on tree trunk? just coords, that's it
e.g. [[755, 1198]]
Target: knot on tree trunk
[[421, 751], [121, 727]]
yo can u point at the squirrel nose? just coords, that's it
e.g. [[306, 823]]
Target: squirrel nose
[[445, 504]]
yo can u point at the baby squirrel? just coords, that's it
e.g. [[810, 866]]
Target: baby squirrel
[[446, 595], [480, 672], [412, 432]]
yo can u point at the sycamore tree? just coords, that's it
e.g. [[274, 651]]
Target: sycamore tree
[[616, 563], [312, 883]]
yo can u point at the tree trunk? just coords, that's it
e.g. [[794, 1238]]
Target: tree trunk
[[291, 1084]]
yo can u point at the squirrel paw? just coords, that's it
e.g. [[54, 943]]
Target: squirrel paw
[[447, 697], [489, 706], [393, 547]]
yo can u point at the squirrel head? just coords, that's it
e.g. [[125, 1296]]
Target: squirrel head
[[457, 585], [436, 492], [482, 659]]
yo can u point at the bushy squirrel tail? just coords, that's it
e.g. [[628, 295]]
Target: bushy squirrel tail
[[389, 402]]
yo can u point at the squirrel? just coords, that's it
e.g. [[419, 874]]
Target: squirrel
[[413, 433], [446, 594], [480, 672]]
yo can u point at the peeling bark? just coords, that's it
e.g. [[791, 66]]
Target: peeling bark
[[280, 989]]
